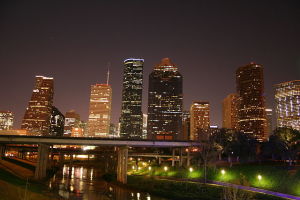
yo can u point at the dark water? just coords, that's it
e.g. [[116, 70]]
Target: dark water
[[84, 183]]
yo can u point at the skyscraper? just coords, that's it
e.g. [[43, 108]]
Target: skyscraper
[[251, 110], [287, 99], [145, 121], [6, 120], [38, 113], [229, 111], [57, 122], [165, 99], [269, 117], [72, 120], [186, 125], [200, 122], [131, 115], [100, 110]]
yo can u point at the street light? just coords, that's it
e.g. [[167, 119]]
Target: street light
[[223, 172], [259, 177]]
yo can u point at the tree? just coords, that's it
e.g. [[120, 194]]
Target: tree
[[243, 146], [223, 138], [208, 151], [286, 143]]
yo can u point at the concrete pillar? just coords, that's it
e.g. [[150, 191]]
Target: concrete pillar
[[42, 161], [122, 164], [180, 157], [23, 155], [188, 158], [2, 151], [61, 158], [159, 160], [173, 157], [137, 163], [120, 193], [71, 159]]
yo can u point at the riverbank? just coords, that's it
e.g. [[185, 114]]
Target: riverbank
[[276, 177], [13, 187], [178, 190]]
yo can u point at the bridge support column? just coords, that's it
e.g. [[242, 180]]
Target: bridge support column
[[173, 157], [2, 151], [71, 159], [188, 159], [180, 158], [42, 161], [159, 160], [122, 164], [61, 158]]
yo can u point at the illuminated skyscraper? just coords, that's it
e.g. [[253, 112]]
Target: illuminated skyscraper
[[6, 120], [100, 110], [165, 102], [186, 125], [287, 98], [230, 109], [38, 113], [145, 121], [131, 115], [269, 117], [77, 132], [251, 109], [57, 122], [200, 122], [72, 120]]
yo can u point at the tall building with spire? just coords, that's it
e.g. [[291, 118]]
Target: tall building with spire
[[38, 113], [230, 112], [200, 121], [131, 119], [287, 99], [251, 110], [165, 99], [100, 110]]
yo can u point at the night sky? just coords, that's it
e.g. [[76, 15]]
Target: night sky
[[208, 40]]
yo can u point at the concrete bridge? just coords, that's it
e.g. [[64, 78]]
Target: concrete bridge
[[121, 144]]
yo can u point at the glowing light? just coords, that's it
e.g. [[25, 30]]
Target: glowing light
[[223, 172], [191, 169], [149, 168], [133, 167], [138, 195], [165, 168], [259, 177]]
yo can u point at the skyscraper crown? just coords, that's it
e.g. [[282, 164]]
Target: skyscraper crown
[[166, 65]]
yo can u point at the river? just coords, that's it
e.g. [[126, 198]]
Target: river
[[79, 182]]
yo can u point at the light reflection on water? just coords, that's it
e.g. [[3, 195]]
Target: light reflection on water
[[84, 183]]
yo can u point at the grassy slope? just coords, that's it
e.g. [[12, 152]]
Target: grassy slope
[[182, 190]]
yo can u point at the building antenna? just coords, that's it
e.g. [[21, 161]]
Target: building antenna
[[107, 78]]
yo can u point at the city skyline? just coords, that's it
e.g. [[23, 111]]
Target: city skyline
[[207, 45]]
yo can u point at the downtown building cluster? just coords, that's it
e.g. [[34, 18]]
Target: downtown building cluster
[[243, 111]]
